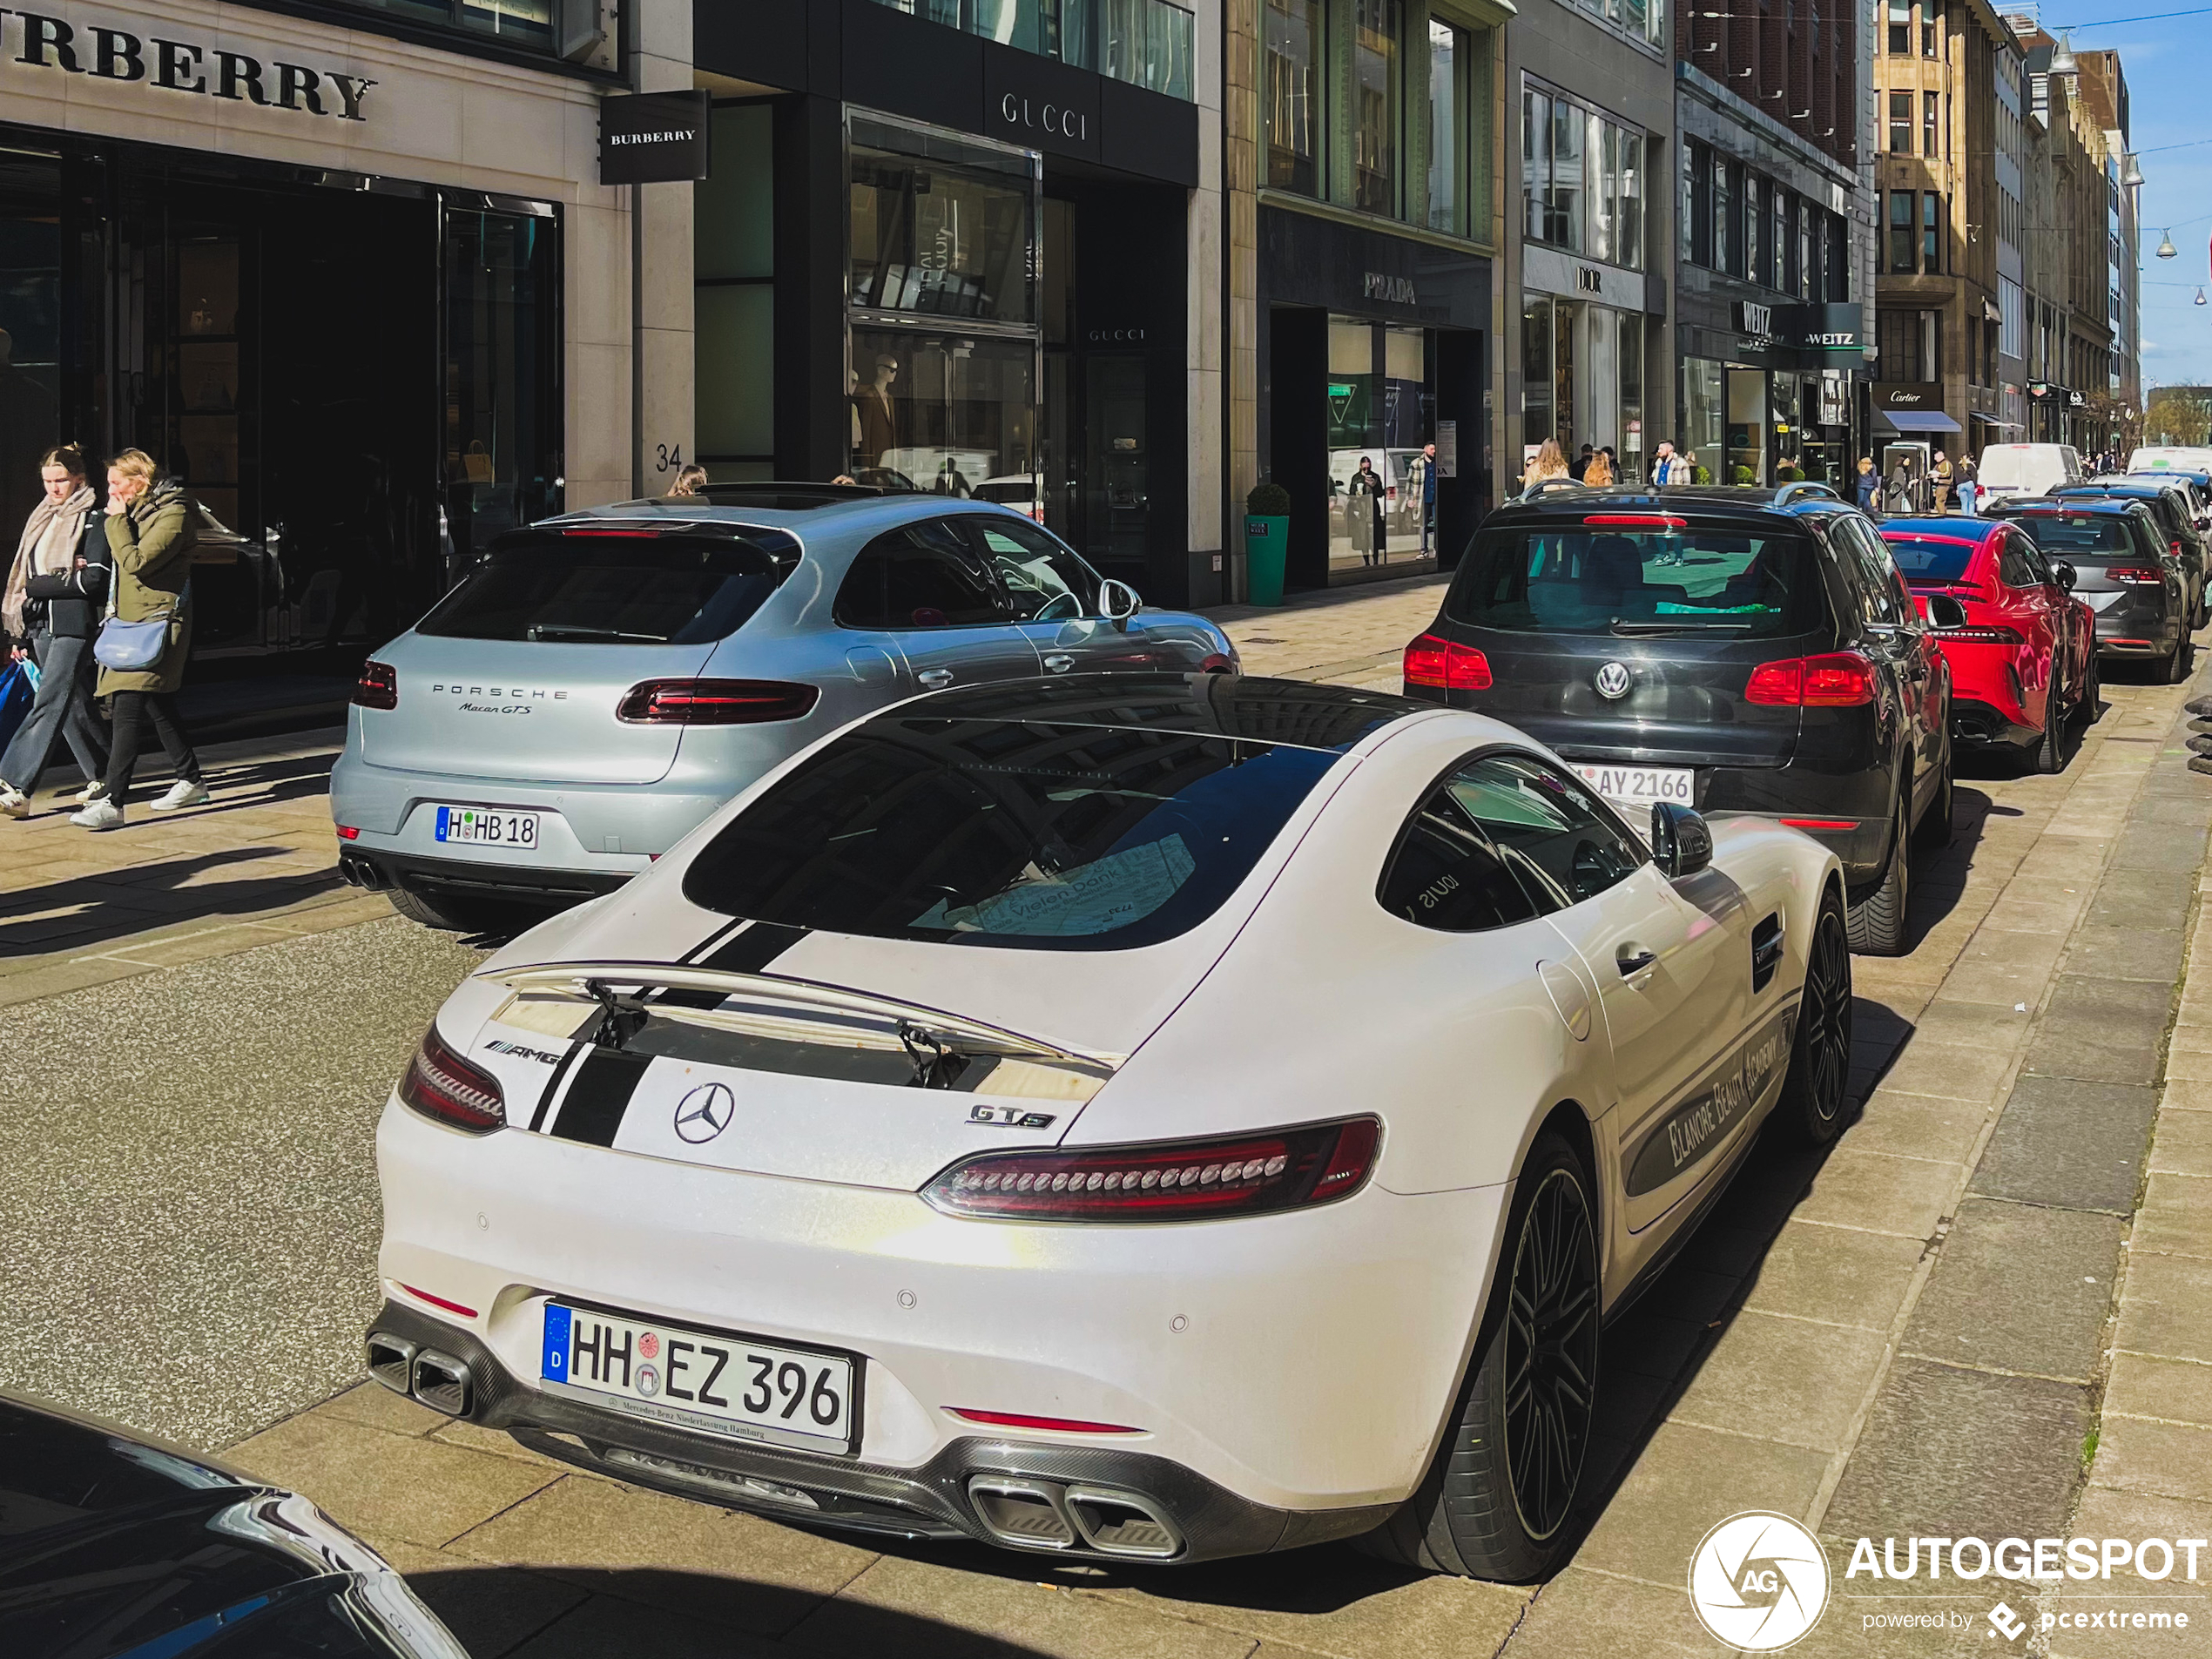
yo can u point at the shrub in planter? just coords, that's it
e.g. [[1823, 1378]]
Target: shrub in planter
[[1268, 500]]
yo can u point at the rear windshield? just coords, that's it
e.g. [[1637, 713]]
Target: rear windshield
[[1921, 559], [1588, 580], [1031, 836], [613, 588], [2076, 535]]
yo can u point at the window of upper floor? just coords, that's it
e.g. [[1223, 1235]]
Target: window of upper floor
[[1145, 42], [578, 31], [1581, 178], [1738, 221]]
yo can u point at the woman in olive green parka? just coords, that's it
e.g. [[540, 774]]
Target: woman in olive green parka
[[149, 532]]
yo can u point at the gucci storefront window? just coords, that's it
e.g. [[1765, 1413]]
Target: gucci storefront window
[[944, 311]]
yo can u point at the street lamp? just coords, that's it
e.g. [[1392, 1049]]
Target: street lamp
[[2166, 248], [2062, 61], [2132, 174], [2200, 296]]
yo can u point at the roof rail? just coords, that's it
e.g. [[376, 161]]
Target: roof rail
[[1788, 492]]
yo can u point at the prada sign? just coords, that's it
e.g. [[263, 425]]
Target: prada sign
[[654, 137], [100, 53]]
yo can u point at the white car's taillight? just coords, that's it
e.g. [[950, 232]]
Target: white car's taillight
[[1165, 1180], [438, 1083]]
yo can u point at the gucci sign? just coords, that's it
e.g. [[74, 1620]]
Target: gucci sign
[[1055, 119]]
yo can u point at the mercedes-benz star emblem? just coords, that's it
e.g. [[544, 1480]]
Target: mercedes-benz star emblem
[[1612, 680], [705, 1112]]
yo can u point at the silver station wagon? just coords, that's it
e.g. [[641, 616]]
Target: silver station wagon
[[604, 680]]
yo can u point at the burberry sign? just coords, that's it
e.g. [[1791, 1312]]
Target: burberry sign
[[102, 53]]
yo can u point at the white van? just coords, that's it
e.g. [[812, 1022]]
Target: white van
[[2171, 459], [2025, 469]]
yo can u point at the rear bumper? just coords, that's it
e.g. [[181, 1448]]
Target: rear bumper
[[2132, 633], [1992, 725], [381, 872]]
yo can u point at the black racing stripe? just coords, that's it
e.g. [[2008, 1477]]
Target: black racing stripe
[[576, 1051], [692, 956], [756, 948], [678, 996], [600, 1095]]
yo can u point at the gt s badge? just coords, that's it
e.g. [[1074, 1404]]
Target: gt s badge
[[1612, 680], [1009, 1117]]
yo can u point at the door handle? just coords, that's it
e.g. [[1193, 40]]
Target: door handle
[[1633, 959], [935, 679], [1060, 662]]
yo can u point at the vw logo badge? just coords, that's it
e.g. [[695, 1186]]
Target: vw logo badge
[[1612, 680], [705, 1112]]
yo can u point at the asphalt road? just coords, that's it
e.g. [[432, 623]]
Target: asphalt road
[[188, 1216]]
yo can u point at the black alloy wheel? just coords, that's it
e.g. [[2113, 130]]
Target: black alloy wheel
[[1812, 1096], [1551, 1354], [2092, 691], [2049, 753]]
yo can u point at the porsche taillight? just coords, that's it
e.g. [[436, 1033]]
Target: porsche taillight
[[715, 702], [1242, 1175], [1837, 680], [1446, 665], [440, 1084], [378, 687]]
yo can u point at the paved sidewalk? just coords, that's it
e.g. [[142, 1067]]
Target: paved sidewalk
[[258, 863]]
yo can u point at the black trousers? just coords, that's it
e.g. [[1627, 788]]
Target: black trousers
[[131, 710]]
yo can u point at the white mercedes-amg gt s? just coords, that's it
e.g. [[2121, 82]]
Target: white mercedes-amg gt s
[[1155, 1118]]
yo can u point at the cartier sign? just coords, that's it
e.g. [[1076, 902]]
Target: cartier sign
[[101, 53]]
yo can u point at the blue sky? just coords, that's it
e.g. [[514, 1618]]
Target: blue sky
[[2164, 60]]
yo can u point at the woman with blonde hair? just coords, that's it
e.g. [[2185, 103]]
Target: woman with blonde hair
[[690, 481], [150, 533], [1600, 473], [1550, 462]]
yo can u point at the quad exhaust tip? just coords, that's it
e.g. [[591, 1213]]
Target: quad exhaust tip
[[391, 1361], [442, 1382], [1042, 1514]]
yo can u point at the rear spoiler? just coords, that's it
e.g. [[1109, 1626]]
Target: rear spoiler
[[858, 1018]]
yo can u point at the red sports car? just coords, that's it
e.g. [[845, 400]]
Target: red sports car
[[2026, 662]]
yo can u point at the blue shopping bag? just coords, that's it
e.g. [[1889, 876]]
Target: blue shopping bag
[[18, 685]]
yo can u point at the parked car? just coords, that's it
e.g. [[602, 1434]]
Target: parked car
[[2125, 572], [113, 1543], [1742, 651], [605, 679], [2162, 458], [1018, 491], [2009, 470], [2025, 661], [1108, 1118], [2175, 507]]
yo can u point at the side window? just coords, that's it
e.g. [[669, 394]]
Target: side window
[[1551, 832], [1448, 875], [920, 576], [2031, 558], [1046, 581], [1884, 586], [1864, 568], [2014, 567]]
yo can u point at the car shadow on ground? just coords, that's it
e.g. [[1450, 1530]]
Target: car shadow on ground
[[581, 1612], [88, 911]]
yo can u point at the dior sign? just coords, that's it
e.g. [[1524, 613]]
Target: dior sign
[[98, 52]]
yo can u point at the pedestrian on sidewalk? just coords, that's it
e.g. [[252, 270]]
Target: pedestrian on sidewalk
[[1599, 473], [56, 589], [690, 481], [1969, 488], [1365, 509], [1581, 464], [1423, 479], [1866, 488], [1940, 479], [150, 534], [1663, 465], [1550, 462]]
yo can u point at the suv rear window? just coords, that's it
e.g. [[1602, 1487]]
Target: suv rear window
[[614, 587], [1031, 836], [1597, 579], [2079, 535]]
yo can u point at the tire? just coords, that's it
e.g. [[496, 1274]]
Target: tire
[[1812, 1094], [2177, 665], [2050, 753], [1933, 831], [2092, 691], [1498, 1501], [451, 915], [1876, 926]]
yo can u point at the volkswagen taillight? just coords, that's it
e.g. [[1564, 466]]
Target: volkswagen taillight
[[1242, 1174], [1839, 679], [378, 687], [715, 702], [1446, 664], [2134, 575], [438, 1083]]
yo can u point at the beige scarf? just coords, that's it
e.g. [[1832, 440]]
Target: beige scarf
[[48, 548]]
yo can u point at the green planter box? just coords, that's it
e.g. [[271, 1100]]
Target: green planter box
[[1266, 539]]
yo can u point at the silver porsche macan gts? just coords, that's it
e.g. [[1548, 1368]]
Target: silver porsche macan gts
[[606, 679]]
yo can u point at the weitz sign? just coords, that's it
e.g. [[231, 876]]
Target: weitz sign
[[100, 53], [654, 137]]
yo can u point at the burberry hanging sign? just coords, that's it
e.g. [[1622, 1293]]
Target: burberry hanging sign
[[101, 53]]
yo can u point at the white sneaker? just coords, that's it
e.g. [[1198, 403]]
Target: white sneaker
[[90, 794], [185, 792], [101, 814], [14, 802]]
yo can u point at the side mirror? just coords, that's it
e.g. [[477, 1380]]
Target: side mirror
[[2064, 573], [1118, 602], [1943, 611], [1681, 842]]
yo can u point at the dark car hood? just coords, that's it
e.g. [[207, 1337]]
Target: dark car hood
[[112, 1544]]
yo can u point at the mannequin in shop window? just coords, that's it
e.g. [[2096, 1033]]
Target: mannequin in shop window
[[878, 416]]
